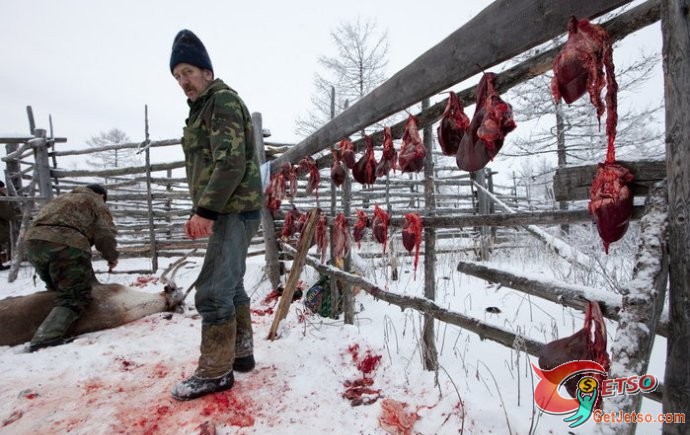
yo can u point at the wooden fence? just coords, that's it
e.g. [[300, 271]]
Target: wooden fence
[[460, 56]]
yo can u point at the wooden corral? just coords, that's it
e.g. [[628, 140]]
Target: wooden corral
[[449, 200]]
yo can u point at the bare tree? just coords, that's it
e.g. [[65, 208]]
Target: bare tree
[[114, 158], [357, 68], [573, 133]]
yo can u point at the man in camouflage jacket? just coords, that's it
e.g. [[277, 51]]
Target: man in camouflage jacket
[[225, 187], [8, 215], [58, 244]]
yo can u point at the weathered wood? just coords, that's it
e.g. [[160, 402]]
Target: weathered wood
[[572, 296], [675, 29], [574, 182], [458, 57], [425, 306], [129, 145], [295, 272], [42, 169], [429, 352], [60, 173], [269, 230], [643, 301], [558, 246]]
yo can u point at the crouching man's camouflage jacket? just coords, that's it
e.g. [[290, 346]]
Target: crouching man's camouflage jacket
[[79, 219], [222, 165]]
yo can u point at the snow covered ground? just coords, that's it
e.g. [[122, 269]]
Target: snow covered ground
[[118, 380]]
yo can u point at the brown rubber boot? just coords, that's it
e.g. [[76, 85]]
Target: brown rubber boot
[[244, 346], [53, 329], [214, 372]]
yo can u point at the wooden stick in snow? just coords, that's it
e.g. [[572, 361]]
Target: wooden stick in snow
[[295, 272]]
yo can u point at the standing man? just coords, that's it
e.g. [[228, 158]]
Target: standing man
[[225, 186], [8, 214], [58, 244]]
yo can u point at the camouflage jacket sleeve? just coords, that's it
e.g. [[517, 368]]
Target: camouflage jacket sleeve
[[8, 211], [104, 234], [228, 143]]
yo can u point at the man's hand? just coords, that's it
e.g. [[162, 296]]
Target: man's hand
[[197, 227]]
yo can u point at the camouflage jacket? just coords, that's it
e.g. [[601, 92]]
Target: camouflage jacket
[[8, 213], [79, 219], [222, 165]]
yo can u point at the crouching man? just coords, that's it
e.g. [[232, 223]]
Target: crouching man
[[58, 244]]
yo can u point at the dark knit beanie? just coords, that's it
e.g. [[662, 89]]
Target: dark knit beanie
[[187, 48], [99, 189]]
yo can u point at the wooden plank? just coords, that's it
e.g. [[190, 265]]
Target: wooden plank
[[269, 230], [560, 293], [574, 182], [295, 272], [675, 28], [119, 171], [429, 351], [642, 305], [485, 41]]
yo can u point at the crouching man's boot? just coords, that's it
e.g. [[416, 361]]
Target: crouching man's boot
[[244, 346], [214, 372], [53, 329]]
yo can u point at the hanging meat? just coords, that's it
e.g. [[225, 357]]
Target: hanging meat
[[290, 223], [412, 151], [412, 235], [589, 343], [360, 226], [338, 173], [364, 170], [341, 236], [347, 153], [321, 236], [611, 201], [277, 187], [389, 156], [492, 121], [379, 226], [308, 166], [454, 124], [580, 66], [586, 65]]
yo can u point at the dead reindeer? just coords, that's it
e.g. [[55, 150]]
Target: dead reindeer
[[112, 305]]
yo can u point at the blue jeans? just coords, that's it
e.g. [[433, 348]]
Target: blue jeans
[[220, 285]]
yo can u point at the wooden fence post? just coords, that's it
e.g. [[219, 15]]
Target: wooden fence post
[[269, 229], [429, 353], [152, 228], [42, 170], [675, 25]]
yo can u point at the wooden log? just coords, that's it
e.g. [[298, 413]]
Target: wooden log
[[423, 305], [574, 182], [130, 145], [458, 57], [297, 266], [675, 28], [429, 352], [61, 173], [642, 305], [572, 296], [267, 223]]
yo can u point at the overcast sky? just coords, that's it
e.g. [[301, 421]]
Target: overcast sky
[[93, 65]]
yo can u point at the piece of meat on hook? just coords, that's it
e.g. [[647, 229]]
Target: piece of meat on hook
[[491, 122]]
